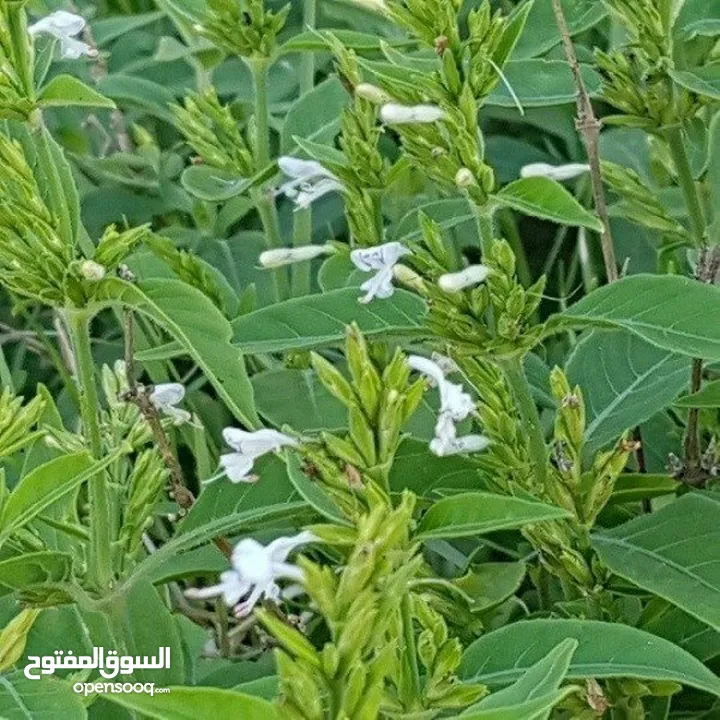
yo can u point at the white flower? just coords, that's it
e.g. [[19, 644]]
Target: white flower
[[446, 364], [309, 180], [165, 396], [255, 571], [457, 281], [458, 445], [455, 403], [382, 259], [287, 256], [248, 447], [64, 26], [554, 172], [395, 114]]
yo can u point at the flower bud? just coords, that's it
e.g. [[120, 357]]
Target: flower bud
[[464, 178], [554, 172], [373, 93], [92, 271], [408, 277], [393, 113], [472, 275], [287, 256]]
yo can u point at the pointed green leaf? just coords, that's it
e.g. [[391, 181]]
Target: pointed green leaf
[[65, 90], [478, 513], [23, 698], [192, 319], [707, 397], [674, 553], [314, 320], [703, 80], [605, 650], [546, 199], [673, 312]]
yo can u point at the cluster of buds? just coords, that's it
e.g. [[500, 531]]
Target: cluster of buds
[[637, 78], [460, 300], [246, 29], [380, 399], [17, 420], [638, 204], [34, 258], [361, 610], [213, 132]]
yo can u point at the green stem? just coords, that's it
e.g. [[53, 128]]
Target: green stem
[[267, 211], [99, 563], [303, 218], [484, 220], [675, 141], [517, 380], [259, 69], [410, 652]]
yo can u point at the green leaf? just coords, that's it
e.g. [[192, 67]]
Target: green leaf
[[22, 698], [707, 397], [149, 96], [189, 703], [625, 381], [605, 650], [534, 693], [540, 83], [541, 32], [192, 319], [685, 631], [704, 80], [65, 90], [450, 213], [46, 485], [111, 28], [478, 513], [24, 571], [634, 487], [314, 320], [417, 469], [489, 584], [315, 116], [214, 185], [351, 39], [669, 311], [674, 553], [297, 398], [222, 498], [312, 492], [546, 199]]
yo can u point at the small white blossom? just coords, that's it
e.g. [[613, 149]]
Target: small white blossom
[[309, 180], [455, 403], [554, 172], [395, 114], [165, 397], [248, 447], [381, 259], [64, 26], [287, 256], [464, 177], [255, 571], [457, 281], [458, 446]]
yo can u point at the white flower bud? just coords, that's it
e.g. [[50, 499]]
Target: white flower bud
[[457, 281], [92, 271], [373, 93], [554, 172], [287, 256], [393, 113], [464, 177], [408, 277]]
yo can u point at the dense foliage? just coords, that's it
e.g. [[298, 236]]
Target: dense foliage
[[362, 355]]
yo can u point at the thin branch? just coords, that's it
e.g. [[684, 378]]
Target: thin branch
[[589, 127], [137, 394]]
